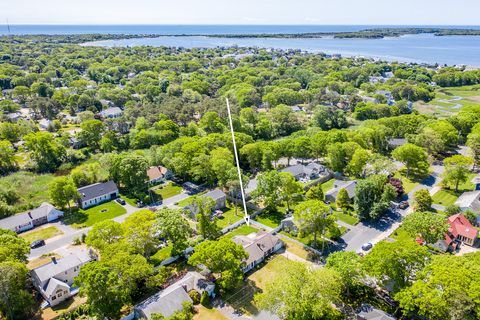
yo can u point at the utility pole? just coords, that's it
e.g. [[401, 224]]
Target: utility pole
[[247, 216]]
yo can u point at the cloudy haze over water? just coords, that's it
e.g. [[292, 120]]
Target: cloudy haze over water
[[366, 12]]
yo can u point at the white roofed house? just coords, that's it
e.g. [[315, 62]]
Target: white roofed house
[[258, 246], [97, 193], [32, 218], [110, 113], [54, 280]]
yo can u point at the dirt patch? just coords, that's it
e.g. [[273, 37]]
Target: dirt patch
[[474, 99]]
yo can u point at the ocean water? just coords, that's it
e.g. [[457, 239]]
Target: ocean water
[[427, 48]]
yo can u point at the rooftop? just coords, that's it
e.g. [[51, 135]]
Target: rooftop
[[51, 269], [98, 189], [24, 218], [215, 194], [257, 244], [459, 225], [170, 300]]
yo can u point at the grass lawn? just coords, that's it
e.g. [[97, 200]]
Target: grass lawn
[[327, 185], [88, 217], [408, 184], [32, 189], [162, 254], [466, 186], [446, 197], [242, 230], [208, 314], [241, 298], [401, 234], [271, 219], [229, 217], [44, 259], [296, 249], [168, 190], [445, 102], [350, 219], [130, 201], [41, 233], [64, 306]]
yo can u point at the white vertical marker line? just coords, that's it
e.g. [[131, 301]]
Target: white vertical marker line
[[247, 217]]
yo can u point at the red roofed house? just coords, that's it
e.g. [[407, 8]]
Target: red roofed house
[[158, 174], [461, 230]]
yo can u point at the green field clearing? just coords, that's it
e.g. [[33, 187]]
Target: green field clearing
[[168, 190], [41, 234], [327, 185], [271, 219], [347, 218], [162, 254], [88, 217], [243, 230], [446, 101], [229, 217], [446, 197], [31, 188]]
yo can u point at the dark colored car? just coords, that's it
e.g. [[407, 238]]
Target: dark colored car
[[37, 244], [140, 204], [121, 201], [403, 205], [367, 246]]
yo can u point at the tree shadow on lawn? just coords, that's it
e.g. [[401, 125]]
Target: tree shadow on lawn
[[241, 298], [75, 216]]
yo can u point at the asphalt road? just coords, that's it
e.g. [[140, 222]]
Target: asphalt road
[[70, 233], [377, 231]]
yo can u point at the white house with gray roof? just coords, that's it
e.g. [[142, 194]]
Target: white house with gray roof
[[170, 300], [469, 200], [28, 220], [110, 113], [218, 196], [307, 172], [97, 193], [331, 195], [54, 280], [258, 246]]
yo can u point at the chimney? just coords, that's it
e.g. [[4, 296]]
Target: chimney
[[54, 260], [30, 214]]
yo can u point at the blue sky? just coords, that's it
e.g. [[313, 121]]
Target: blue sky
[[366, 12]]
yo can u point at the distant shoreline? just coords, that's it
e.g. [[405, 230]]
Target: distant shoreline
[[362, 32]]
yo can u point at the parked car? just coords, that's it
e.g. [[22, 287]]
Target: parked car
[[367, 246], [37, 244], [140, 204], [403, 205], [120, 201]]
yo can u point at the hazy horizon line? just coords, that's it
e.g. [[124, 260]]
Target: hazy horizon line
[[235, 24]]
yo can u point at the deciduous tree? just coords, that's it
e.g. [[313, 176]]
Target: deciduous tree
[[224, 257], [302, 293]]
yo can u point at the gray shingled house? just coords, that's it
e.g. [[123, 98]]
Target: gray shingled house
[[97, 193]]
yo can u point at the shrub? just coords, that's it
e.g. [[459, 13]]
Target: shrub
[[195, 296], [205, 299]]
